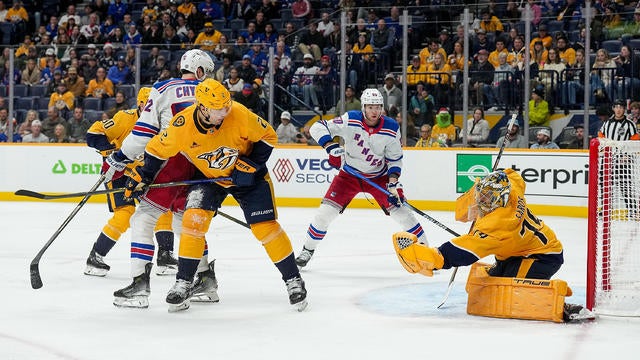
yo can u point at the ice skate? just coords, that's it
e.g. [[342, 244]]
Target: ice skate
[[96, 265], [297, 293], [205, 286], [135, 295], [304, 257], [178, 296], [577, 313], [166, 263]]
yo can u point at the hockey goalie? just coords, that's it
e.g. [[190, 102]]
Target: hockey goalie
[[526, 250]]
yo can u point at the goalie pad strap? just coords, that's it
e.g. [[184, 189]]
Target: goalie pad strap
[[514, 298]]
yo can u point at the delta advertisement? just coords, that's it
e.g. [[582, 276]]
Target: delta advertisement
[[431, 178]]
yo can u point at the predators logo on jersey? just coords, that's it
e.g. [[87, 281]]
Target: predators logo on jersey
[[220, 158]]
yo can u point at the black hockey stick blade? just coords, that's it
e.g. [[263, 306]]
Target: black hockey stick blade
[[30, 193], [36, 280]]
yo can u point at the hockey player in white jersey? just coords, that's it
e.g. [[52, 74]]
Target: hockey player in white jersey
[[167, 98], [372, 147]]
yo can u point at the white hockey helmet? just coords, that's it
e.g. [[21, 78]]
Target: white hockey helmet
[[371, 97], [194, 59]]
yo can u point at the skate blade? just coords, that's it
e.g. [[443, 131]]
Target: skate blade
[[139, 302], [91, 271], [211, 297], [301, 306], [179, 307], [166, 270], [582, 316]]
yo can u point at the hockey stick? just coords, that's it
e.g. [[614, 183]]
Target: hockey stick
[[355, 173], [36, 280], [237, 221], [42, 196], [505, 141]]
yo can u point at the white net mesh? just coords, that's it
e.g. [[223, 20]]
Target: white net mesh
[[615, 248]]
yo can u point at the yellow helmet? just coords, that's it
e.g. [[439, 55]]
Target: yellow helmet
[[213, 95], [143, 95]]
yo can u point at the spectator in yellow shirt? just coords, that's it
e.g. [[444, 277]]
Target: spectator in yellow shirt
[[208, 38], [17, 13], [494, 56], [490, 23], [100, 87], [444, 131], [427, 54], [416, 72], [62, 99], [186, 7]]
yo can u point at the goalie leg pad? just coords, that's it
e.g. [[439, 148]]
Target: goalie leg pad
[[416, 257], [514, 298]]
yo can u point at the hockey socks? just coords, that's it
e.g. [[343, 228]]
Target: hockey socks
[[165, 240], [103, 244]]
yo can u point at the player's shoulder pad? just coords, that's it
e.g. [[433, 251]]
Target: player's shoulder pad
[[390, 124], [354, 114]]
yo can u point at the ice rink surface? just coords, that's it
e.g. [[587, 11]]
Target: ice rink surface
[[363, 304]]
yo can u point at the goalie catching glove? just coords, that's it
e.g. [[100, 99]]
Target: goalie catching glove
[[396, 194], [136, 184], [245, 172], [336, 154], [416, 257]]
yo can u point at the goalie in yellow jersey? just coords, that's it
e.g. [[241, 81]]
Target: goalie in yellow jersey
[[106, 136], [221, 138], [526, 250]]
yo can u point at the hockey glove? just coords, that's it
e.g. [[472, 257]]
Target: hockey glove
[[396, 196], [135, 185], [336, 154], [113, 166], [244, 173]]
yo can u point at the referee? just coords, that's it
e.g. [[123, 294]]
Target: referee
[[619, 128]]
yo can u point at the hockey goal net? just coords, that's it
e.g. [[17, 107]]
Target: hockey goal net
[[613, 257]]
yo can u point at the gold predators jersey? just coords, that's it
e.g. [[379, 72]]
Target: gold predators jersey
[[213, 151], [117, 128], [507, 231]]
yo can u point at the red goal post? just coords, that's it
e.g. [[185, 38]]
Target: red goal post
[[613, 251]]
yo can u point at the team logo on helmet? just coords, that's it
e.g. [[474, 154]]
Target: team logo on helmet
[[220, 158]]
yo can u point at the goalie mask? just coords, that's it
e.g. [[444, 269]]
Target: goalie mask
[[492, 192]]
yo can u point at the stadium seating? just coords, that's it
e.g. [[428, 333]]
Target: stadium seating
[[37, 90], [91, 103]]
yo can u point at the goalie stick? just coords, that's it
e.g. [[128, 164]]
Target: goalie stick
[[505, 141], [36, 280], [42, 196]]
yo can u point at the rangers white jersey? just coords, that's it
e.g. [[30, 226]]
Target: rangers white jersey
[[371, 150], [167, 98]]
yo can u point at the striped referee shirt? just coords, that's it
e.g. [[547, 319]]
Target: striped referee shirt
[[619, 129]]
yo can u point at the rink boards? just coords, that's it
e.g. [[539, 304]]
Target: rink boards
[[433, 179]]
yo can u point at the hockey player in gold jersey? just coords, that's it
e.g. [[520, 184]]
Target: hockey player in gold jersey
[[106, 136], [221, 138], [526, 250]]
